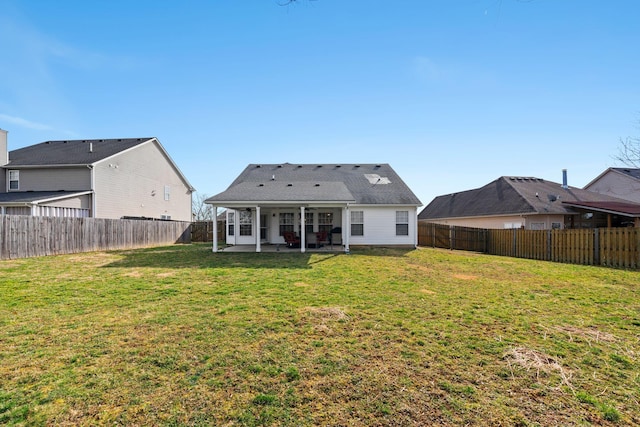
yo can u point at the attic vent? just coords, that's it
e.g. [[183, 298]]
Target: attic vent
[[289, 185], [299, 166], [319, 166], [317, 185], [377, 166], [356, 166], [338, 166], [260, 185], [258, 166], [279, 166]]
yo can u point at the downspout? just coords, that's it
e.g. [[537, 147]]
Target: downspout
[[93, 191], [347, 229]]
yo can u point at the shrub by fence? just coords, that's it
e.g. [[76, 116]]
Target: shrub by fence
[[27, 236], [613, 247]]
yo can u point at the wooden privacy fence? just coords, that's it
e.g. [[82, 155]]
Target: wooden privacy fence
[[28, 236], [202, 231], [612, 247]]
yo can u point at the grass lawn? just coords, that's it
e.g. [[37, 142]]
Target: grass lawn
[[181, 336]]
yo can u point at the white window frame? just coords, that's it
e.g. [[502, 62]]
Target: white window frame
[[14, 176], [357, 223], [402, 223], [231, 223], [167, 192], [245, 219], [286, 222]]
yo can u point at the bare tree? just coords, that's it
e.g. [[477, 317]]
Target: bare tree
[[201, 211], [629, 151]]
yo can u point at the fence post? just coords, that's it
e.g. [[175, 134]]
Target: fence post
[[596, 246]]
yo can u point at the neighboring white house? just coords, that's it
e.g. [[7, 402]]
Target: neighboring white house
[[352, 204], [101, 178], [623, 183]]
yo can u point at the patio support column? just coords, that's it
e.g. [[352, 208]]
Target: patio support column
[[215, 228], [258, 249], [303, 231], [347, 229]]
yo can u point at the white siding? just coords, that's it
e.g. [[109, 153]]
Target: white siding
[[380, 226], [134, 183]]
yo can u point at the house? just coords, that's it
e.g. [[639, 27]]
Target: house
[[319, 204], [623, 183], [101, 178], [530, 203]]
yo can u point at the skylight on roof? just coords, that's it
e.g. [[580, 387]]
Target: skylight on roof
[[375, 179]]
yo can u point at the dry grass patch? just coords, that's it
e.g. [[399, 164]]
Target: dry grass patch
[[588, 334], [537, 361]]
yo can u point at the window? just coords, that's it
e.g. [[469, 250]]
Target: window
[[325, 221], [537, 226], [165, 217], [286, 222], [357, 223], [231, 223], [245, 223], [167, 192], [402, 223], [14, 180], [308, 222]]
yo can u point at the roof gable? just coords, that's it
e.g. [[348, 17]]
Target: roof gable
[[511, 195], [356, 183]]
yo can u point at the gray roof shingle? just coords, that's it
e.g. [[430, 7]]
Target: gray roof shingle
[[357, 183], [72, 152], [511, 195], [34, 196]]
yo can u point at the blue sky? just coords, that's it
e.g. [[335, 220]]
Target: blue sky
[[452, 93]]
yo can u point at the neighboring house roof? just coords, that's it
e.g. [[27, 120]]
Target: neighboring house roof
[[509, 195], [344, 183], [80, 153], [37, 196], [630, 172], [625, 208], [74, 152]]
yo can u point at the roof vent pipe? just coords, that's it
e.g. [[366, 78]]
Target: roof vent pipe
[[91, 147], [564, 179]]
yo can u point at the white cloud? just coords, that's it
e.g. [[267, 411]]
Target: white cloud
[[19, 121]]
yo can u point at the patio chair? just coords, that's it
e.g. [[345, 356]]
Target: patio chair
[[291, 240]]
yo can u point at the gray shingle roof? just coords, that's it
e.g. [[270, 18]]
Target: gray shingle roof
[[72, 152], [511, 195], [34, 196], [632, 172], [357, 183]]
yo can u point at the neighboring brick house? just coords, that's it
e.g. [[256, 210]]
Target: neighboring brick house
[[530, 203], [101, 178]]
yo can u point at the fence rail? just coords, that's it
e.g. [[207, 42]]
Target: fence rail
[[612, 247], [26, 236]]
